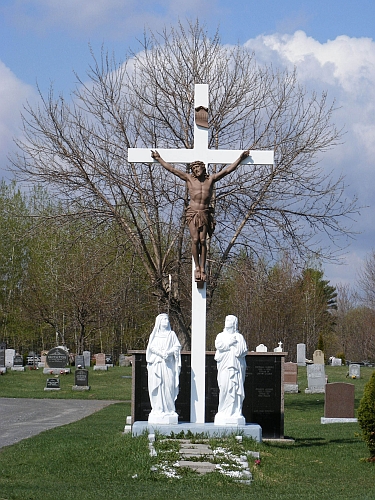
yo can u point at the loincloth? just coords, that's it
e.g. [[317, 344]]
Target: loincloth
[[201, 218]]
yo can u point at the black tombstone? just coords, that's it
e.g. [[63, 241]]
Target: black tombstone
[[57, 358], [2, 358], [81, 378], [53, 383], [108, 359], [18, 360], [263, 404], [79, 360]]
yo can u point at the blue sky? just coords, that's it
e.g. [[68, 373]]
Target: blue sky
[[331, 43]]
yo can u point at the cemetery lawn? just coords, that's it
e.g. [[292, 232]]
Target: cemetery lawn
[[91, 458]]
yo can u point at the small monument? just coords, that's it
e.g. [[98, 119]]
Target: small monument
[[9, 357], [87, 358], [279, 348], [81, 380], [301, 354], [261, 348], [318, 357], [316, 379], [18, 363], [291, 378], [339, 404], [52, 384], [163, 356], [231, 350], [56, 361], [100, 363], [79, 361], [2, 361], [354, 370]]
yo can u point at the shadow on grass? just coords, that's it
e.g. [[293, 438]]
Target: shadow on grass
[[310, 442]]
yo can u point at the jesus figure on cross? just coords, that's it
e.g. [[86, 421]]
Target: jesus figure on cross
[[199, 214]]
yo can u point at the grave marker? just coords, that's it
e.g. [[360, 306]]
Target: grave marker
[[301, 354], [57, 360], [291, 378], [100, 363], [52, 384], [18, 363], [339, 404], [318, 357], [354, 371], [316, 379], [81, 380]]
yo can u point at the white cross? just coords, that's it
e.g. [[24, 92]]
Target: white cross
[[198, 313], [200, 150]]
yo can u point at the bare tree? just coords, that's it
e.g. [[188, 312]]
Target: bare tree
[[79, 149]]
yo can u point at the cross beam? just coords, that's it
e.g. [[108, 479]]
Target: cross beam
[[200, 150]]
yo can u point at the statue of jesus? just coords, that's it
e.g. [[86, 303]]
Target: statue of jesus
[[199, 214]]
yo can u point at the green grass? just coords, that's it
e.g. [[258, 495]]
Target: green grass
[[111, 385], [92, 459]]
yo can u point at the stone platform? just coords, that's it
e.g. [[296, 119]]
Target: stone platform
[[253, 431]]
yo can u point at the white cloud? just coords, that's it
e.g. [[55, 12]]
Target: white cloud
[[13, 94], [345, 67]]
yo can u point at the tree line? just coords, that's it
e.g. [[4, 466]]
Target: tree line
[[72, 281]]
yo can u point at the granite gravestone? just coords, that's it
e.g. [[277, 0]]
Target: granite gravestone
[[316, 379], [79, 361], [291, 378], [264, 395], [354, 371], [318, 357], [9, 357], [301, 354], [336, 362], [52, 384], [339, 403], [87, 358], [2, 361], [81, 380], [18, 363], [109, 360], [57, 360], [100, 363]]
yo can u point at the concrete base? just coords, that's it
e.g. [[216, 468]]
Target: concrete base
[[166, 419], [291, 388], [253, 431], [41, 365], [326, 420], [52, 388], [80, 388], [317, 390], [55, 371], [101, 368], [224, 421], [18, 368]]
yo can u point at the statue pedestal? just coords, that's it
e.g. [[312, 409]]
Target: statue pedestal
[[163, 418], [225, 420]]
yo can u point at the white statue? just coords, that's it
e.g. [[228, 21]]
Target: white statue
[[230, 356], [163, 365]]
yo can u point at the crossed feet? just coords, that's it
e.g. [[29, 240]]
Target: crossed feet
[[199, 274]]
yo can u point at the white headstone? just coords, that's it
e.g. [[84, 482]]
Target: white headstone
[[279, 348], [354, 371], [316, 379], [336, 362], [261, 348], [9, 357], [301, 354], [87, 358]]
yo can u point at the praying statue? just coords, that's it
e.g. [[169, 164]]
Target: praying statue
[[199, 214], [163, 356], [231, 350]]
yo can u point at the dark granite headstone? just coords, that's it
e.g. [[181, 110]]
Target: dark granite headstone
[[263, 402], [3, 346], [57, 358], [80, 360], [81, 378], [339, 400], [2, 358], [18, 360], [108, 359], [53, 383]]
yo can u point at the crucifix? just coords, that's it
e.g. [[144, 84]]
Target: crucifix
[[200, 152]]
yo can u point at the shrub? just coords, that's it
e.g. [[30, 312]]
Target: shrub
[[341, 355], [366, 414]]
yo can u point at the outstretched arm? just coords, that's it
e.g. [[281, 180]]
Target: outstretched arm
[[182, 175], [232, 167]]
